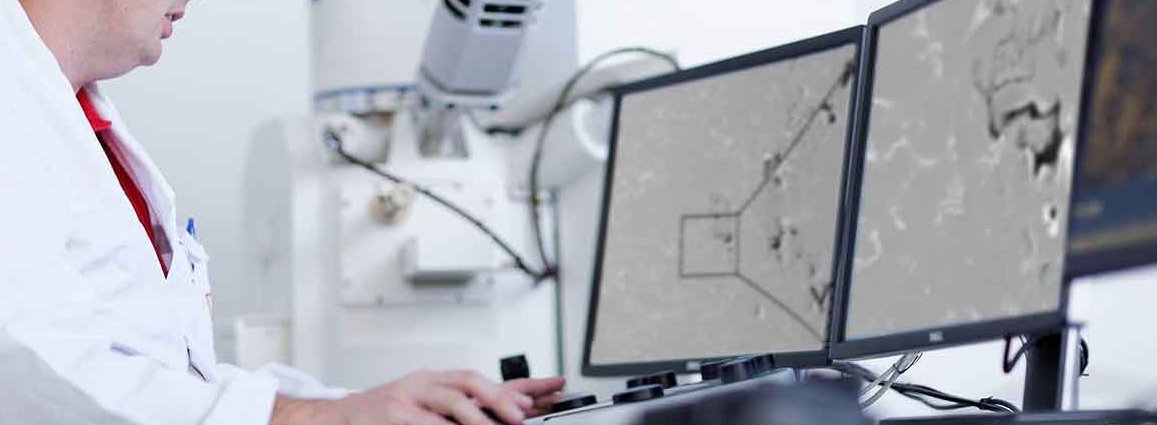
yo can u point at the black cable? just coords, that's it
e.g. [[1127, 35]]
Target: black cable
[[1009, 364], [989, 403], [334, 142], [551, 270], [1084, 360], [919, 392], [572, 98], [993, 400], [929, 403]]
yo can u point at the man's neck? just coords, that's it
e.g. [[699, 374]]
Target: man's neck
[[68, 35]]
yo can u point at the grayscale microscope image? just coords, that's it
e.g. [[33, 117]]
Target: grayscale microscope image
[[722, 215], [968, 164]]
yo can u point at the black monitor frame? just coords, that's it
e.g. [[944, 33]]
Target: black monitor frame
[[818, 358], [1119, 200], [916, 340]]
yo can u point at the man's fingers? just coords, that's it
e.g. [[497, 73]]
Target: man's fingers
[[543, 405], [547, 401], [452, 403], [544, 391], [508, 405], [537, 387]]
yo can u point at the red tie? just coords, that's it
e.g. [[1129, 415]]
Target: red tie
[[108, 142]]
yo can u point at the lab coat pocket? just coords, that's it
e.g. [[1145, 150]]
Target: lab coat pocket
[[199, 334], [199, 263]]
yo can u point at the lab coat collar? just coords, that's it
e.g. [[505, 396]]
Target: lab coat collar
[[159, 193]]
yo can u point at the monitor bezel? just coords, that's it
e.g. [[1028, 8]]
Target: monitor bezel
[[802, 359], [946, 336], [1116, 197]]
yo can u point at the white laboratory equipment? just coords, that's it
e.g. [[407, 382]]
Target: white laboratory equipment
[[373, 281], [372, 278]]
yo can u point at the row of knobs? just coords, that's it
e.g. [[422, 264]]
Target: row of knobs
[[736, 370], [641, 388], [650, 387], [647, 387]]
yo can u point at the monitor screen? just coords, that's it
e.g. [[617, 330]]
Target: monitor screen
[[722, 205], [969, 137], [1114, 221]]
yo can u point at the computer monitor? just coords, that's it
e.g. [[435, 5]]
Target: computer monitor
[[721, 212], [964, 164], [1114, 223]]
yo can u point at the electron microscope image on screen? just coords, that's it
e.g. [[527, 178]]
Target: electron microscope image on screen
[[968, 164], [723, 212]]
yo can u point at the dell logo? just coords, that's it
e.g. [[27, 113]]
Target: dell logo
[[936, 337]]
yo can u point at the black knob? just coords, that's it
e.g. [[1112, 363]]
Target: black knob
[[637, 394], [665, 379], [636, 382], [709, 371], [571, 403], [764, 364], [514, 367], [737, 370]]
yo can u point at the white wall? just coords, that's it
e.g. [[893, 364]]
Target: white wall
[[701, 31], [1118, 311], [230, 66]]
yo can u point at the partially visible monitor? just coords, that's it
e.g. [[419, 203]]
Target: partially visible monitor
[[969, 122], [1114, 222], [721, 211]]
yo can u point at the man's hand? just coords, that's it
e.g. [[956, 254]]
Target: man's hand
[[545, 393], [427, 398]]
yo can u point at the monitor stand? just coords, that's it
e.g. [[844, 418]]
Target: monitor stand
[[1052, 369], [1044, 375]]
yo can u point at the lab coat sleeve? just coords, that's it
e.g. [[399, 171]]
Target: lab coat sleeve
[[73, 370], [109, 382], [31, 387], [34, 393], [87, 379], [290, 382]]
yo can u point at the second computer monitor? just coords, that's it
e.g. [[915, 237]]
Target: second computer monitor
[[1114, 223], [722, 211], [969, 121]]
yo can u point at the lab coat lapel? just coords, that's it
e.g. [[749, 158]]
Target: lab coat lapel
[[148, 177]]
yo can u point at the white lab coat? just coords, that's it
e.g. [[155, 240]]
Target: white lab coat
[[89, 324]]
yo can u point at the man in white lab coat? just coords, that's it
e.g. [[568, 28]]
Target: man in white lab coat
[[104, 297]]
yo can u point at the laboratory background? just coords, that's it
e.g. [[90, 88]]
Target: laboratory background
[[357, 279]]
